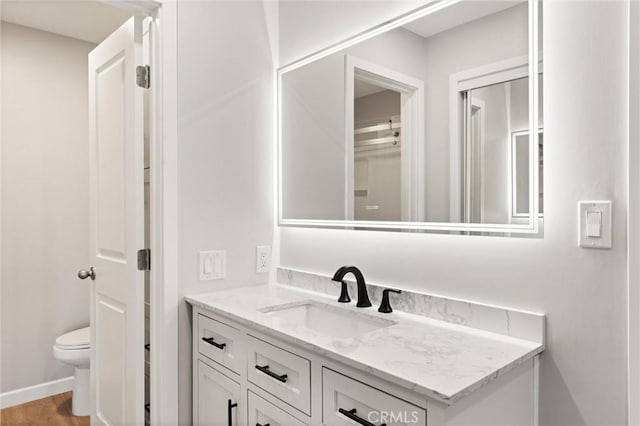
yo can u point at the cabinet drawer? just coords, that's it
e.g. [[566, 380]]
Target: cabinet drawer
[[262, 412], [220, 343], [283, 374], [346, 401]]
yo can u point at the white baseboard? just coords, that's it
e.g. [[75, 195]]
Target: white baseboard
[[31, 393]]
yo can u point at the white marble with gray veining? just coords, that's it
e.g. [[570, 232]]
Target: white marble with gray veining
[[510, 322], [438, 359]]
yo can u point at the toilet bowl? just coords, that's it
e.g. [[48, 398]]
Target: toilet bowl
[[74, 349]]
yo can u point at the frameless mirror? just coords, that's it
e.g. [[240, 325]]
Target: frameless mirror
[[421, 123]]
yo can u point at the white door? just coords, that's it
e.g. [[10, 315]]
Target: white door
[[117, 209]]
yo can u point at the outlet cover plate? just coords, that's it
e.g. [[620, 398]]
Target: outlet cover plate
[[263, 259]]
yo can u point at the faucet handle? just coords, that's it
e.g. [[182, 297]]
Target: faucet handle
[[385, 306], [344, 293]]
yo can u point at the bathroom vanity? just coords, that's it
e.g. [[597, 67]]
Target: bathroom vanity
[[422, 123], [290, 354]]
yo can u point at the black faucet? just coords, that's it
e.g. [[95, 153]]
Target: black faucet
[[385, 306], [363, 297]]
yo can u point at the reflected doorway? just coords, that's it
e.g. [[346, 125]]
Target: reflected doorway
[[377, 153]]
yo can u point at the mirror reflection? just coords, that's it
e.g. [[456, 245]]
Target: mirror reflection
[[428, 122], [377, 162], [496, 133]]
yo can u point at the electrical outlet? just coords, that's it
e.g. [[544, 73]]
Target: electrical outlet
[[263, 258]]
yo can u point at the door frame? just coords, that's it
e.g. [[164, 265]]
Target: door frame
[[474, 104], [164, 221], [485, 75], [633, 227], [412, 146], [514, 215], [163, 115]]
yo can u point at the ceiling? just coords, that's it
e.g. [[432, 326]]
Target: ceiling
[[93, 21], [362, 88], [458, 14], [88, 20]]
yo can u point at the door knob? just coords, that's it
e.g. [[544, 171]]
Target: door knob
[[83, 274]]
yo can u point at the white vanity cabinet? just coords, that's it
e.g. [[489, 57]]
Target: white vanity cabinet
[[252, 378]]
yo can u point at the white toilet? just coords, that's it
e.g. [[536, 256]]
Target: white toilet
[[74, 348]]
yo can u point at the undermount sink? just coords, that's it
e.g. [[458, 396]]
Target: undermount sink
[[326, 319]]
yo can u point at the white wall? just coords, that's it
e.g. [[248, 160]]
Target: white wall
[[45, 200], [313, 156], [225, 151], [582, 291]]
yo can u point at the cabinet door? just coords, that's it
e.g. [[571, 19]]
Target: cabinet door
[[262, 413], [217, 398]]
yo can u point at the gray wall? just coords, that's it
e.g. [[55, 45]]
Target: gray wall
[[225, 151], [45, 200], [583, 292], [377, 170]]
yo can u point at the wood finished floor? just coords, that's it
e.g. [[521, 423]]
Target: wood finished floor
[[52, 411]]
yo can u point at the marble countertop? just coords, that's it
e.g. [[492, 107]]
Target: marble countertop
[[440, 360]]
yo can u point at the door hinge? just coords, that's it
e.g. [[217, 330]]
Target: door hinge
[[143, 76], [144, 260]]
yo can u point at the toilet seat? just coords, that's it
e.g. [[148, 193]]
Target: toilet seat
[[77, 339], [74, 357]]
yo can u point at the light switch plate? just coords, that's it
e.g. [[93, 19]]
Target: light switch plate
[[212, 265], [588, 213]]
